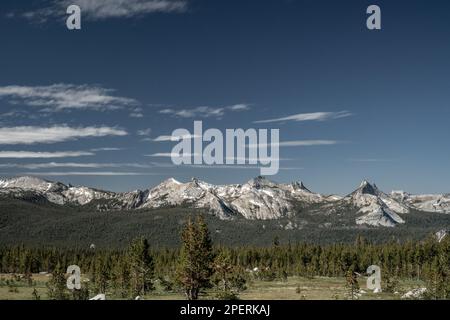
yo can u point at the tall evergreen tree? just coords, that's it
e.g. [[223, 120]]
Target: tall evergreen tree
[[141, 267], [196, 257], [352, 285], [57, 286], [228, 277]]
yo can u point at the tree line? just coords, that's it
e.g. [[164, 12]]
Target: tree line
[[199, 265]]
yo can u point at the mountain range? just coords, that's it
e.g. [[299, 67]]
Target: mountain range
[[257, 199]]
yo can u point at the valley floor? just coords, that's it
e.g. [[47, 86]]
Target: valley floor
[[294, 288]]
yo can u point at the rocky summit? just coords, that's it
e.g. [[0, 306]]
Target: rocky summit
[[257, 199]]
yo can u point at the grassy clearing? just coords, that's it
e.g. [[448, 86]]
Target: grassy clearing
[[295, 288]]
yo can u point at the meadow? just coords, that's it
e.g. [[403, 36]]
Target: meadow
[[294, 288]]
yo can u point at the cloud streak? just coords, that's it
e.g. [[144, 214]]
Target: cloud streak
[[296, 143], [31, 135], [50, 165], [369, 160], [175, 138], [144, 132], [204, 111], [170, 155], [92, 173], [60, 97], [315, 116], [93, 10], [42, 155]]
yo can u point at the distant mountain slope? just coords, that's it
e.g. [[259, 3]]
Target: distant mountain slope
[[44, 223], [257, 199], [427, 202]]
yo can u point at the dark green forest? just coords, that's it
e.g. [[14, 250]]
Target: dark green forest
[[112, 270], [41, 224], [126, 253]]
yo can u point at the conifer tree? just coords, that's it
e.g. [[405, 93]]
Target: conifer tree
[[196, 256], [438, 277], [352, 285], [228, 277], [58, 284], [121, 278], [141, 267]]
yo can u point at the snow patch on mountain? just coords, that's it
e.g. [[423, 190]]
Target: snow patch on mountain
[[197, 194], [258, 199], [439, 203], [440, 235], [377, 208]]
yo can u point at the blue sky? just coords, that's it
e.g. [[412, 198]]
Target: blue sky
[[86, 106]]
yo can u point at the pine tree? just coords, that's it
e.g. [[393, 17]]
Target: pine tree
[[438, 278], [101, 275], [195, 262], [141, 267], [228, 277], [121, 278], [57, 285], [352, 285]]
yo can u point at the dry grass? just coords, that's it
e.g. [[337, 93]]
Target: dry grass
[[295, 288]]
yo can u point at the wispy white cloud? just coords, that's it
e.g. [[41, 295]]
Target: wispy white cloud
[[90, 173], [296, 143], [137, 113], [204, 111], [144, 132], [14, 114], [370, 160], [105, 9], [58, 97], [31, 135], [175, 138], [239, 107], [224, 166], [43, 155], [170, 155], [254, 159], [106, 149], [50, 165], [315, 116]]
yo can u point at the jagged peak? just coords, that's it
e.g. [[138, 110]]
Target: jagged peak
[[365, 187], [364, 183], [26, 181], [32, 183], [259, 182], [171, 181], [25, 178], [298, 185]]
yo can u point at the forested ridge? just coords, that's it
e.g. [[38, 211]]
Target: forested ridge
[[36, 225]]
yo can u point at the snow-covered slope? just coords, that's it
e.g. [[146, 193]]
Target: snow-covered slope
[[263, 199], [376, 208], [59, 193], [259, 199], [428, 202], [197, 194]]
